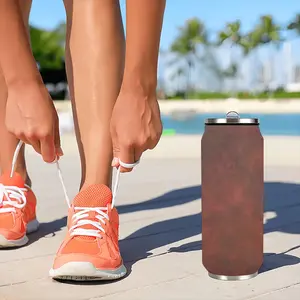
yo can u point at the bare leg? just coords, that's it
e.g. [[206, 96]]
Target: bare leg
[[8, 141], [95, 63]]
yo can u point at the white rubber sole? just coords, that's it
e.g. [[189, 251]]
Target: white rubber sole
[[85, 271], [31, 227]]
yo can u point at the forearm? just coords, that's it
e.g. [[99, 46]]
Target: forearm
[[143, 30], [16, 59]]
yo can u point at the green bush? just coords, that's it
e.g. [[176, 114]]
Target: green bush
[[239, 95]]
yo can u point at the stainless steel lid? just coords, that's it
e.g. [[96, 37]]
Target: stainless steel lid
[[232, 117]]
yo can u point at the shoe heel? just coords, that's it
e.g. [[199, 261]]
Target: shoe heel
[[32, 226]]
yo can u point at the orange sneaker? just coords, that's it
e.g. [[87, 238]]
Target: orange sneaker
[[17, 211], [90, 250]]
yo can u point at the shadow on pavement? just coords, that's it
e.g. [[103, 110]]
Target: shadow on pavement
[[170, 199], [272, 261], [48, 229], [282, 208], [175, 198]]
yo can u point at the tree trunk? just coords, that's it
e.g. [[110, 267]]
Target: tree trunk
[[188, 89], [233, 78]]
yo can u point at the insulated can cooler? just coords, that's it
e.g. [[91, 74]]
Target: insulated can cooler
[[232, 168]]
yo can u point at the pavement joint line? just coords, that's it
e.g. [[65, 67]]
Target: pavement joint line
[[160, 232], [110, 294], [290, 250], [122, 240], [14, 283], [165, 200], [142, 236], [24, 282], [148, 257], [138, 219], [129, 261], [271, 292], [142, 287], [27, 258]]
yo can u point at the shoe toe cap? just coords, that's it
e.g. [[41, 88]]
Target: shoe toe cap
[[98, 261]]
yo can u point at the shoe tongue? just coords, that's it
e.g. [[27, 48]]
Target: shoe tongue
[[16, 180], [97, 195]]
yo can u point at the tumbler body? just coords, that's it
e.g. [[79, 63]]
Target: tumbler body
[[232, 198]]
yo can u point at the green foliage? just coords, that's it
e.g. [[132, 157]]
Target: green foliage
[[48, 47], [280, 95], [295, 25], [265, 32], [190, 47], [190, 35], [232, 33]]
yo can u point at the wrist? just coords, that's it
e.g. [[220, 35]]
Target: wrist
[[138, 86], [24, 82], [13, 74], [23, 90], [139, 82]]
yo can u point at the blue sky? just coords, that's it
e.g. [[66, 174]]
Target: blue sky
[[214, 13]]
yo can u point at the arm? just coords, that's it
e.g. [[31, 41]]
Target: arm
[[16, 59], [143, 30], [30, 114], [136, 124]]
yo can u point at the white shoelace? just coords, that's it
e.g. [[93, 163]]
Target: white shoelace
[[80, 217], [12, 196]]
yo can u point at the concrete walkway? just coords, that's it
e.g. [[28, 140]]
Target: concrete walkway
[[160, 234]]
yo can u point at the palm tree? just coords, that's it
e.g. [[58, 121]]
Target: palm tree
[[266, 32], [233, 35], [295, 25], [178, 75], [185, 49]]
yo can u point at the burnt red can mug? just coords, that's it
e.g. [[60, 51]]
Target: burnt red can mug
[[232, 167]]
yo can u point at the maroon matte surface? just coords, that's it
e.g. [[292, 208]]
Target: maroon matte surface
[[232, 199]]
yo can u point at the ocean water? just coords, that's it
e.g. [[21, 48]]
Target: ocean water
[[270, 124]]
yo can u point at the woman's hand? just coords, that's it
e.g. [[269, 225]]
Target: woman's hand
[[135, 126], [32, 118]]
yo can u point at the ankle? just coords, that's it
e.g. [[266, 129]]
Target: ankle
[[23, 173], [28, 181], [25, 177], [85, 184]]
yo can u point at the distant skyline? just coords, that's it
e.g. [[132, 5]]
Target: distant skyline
[[214, 13]]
